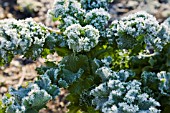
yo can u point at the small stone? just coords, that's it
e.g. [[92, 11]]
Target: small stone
[[132, 4], [15, 63], [122, 11], [9, 15], [165, 13], [120, 5], [62, 104], [41, 13], [15, 70], [15, 77], [36, 19], [2, 80], [9, 82], [3, 90]]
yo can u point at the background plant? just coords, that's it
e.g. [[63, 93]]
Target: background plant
[[118, 67]]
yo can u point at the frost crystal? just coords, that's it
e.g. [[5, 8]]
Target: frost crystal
[[163, 35], [134, 29], [81, 38], [24, 37], [98, 18], [92, 4], [67, 12], [115, 95]]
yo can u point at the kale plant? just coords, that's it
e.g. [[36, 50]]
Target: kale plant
[[122, 67]]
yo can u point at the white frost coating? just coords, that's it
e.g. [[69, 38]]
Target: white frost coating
[[117, 96], [139, 23], [21, 36], [97, 12], [81, 38], [91, 4], [69, 12], [137, 27], [98, 18]]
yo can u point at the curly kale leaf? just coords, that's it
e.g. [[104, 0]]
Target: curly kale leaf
[[93, 4], [73, 69], [74, 63], [24, 37], [70, 77], [164, 84], [32, 102], [68, 12], [98, 18], [118, 94], [159, 82], [163, 35], [81, 38], [106, 73], [30, 99], [78, 77], [26, 100], [127, 97], [45, 82], [136, 29], [54, 40], [150, 79]]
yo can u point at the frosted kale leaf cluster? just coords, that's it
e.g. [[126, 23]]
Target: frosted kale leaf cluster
[[69, 77], [117, 95], [69, 20], [67, 12], [66, 7], [106, 73], [164, 85], [26, 100], [98, 18], [24, 37], [92, 4], [55, 40], [9, 101], [163, 34], [167, 22], [134, 29], [30, 99], [70, 12], [157, 81], [81, 38]]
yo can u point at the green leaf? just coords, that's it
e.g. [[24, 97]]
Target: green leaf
[[45, 83], [2, 107], [164, 82], [91, 110], [35, 101], [74, 63], [20, 93], [168, 57], [50, 64], [166, 110], [45, 52], [31, 110], [73, 109], [63, 51], [71, 77], [152, 61]]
